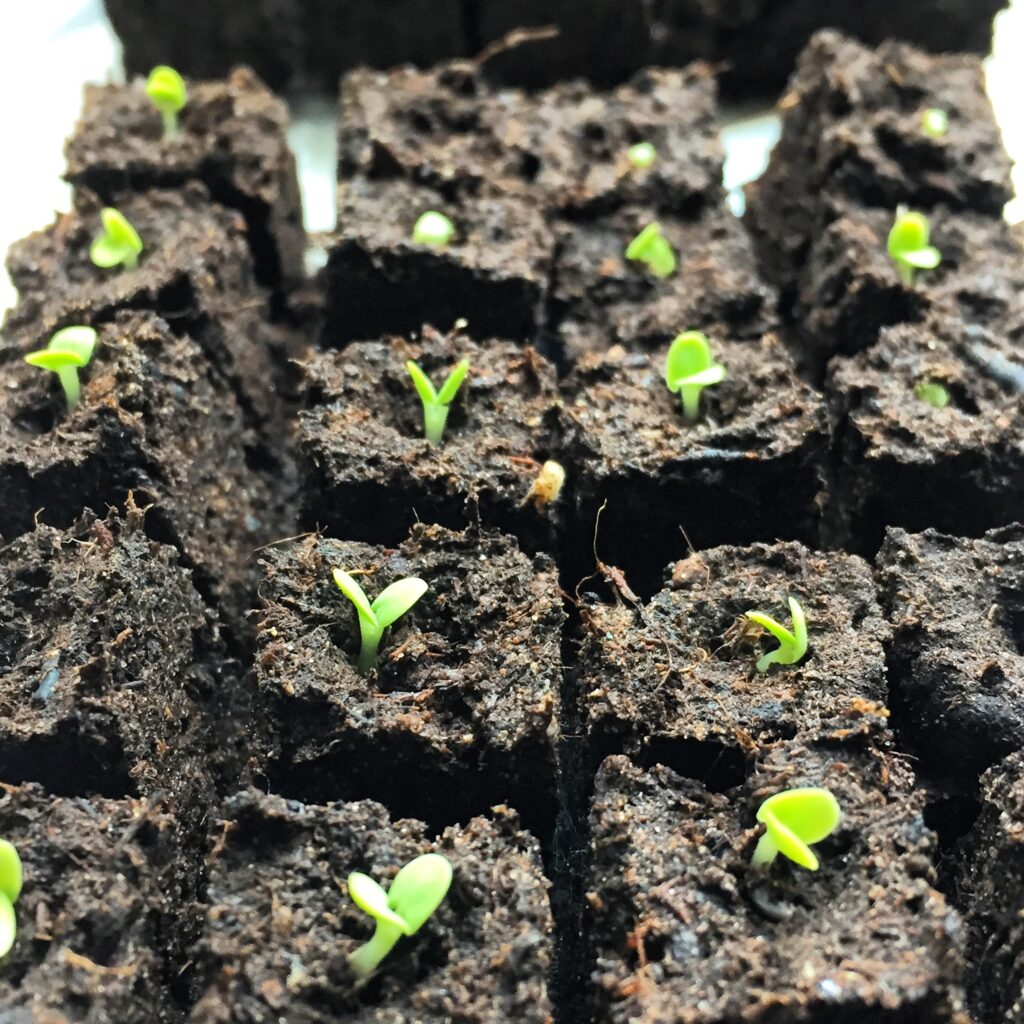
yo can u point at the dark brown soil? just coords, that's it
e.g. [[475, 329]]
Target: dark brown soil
[[280, 925]]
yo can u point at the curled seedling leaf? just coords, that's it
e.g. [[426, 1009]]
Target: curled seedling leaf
[[166, 88], [930, 391], [652, 248], [433, 229], [436, 403], [642, 155], [909, 247], [68, 351], [689, 369], [10, 890], [793, 820], [416, 892], [390, 605], [935, 122], [792, 645], [119, 245]]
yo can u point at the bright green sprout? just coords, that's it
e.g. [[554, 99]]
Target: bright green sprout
[[69, 350], [10, 890], [436, 403], [391, 604], [434, 229], [908, 245], [935, 122], [415, 894], [642, 155], [119, 243], [794, 819], [166, 88], [792, 645], [689, 369], [651, 247], [933, 393]]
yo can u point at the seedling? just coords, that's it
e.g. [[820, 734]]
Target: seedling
[[793, 819], [689, 369], [908, 245], [651, 247], [166, 88], [10, 890], [415, 894], [119, 244], [433, 229], [792, 645], [642, 155], [69, 350], [436, 403], [390, 605], [933, 393], [935, 122]]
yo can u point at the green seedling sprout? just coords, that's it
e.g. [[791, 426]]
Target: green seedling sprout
[[642, 155], [651, 247], [119, 244], [935, 122], [415, 894], [908, 245], [933, 393], [434, 229], [10, 890], [792, 645], [390, 605], [793, 819], [166, 88], [436, 403], [689, 369], [69, 350]]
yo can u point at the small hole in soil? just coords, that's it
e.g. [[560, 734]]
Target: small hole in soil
[[36, 419], [716, 765], [529, 166]]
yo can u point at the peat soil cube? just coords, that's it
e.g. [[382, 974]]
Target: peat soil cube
[[956, 606], [156, 417], [371, 473], [675, 679], [684, 929], [493, 273], [105, 911], [279, 930], [463, 709], [750, 468], [232, 138], [899, 460]]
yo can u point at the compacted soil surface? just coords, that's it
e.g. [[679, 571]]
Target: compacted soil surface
[[192, 760]]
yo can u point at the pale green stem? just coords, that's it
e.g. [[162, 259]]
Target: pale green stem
[[370, 635], [68, 377], [365, 959], [690, 395], [906, 272], [130, 261], [435, 416], [765, 852], [170, 123]]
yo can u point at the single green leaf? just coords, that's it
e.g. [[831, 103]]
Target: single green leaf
[[640, 246], [10, 871], [451, 386], [348, 586], [419, 888], [78, 340], [433, 228], [422, 383], [796, 818], [394, 601], [166, 88], [106, 253], [927, 258], [796, 612], [8, 925], [777, 630], [689, 354], [369, 897], [119, 230], [54, 360], [933, 393]]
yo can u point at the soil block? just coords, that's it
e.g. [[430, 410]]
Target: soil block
[[232, 138], [674, 680], [102, 912], [684, 929], [493, 273], [463, 709], [852, 128], [157, 418], [279, 930], [750, 469], [900, 461], [957, 663], [992, 890], [371, 473]]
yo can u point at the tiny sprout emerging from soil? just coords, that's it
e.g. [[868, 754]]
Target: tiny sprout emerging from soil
[[651, 247], [69, 350], [390, 605], [935, 122], [434, 229], [119, 244], [546, 488], [794, 819], [689, 369], [166, 88], [436, 403], [933, 393], [415, 894], [642, 155], [10, 890], [792, 645], [908, 245]]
